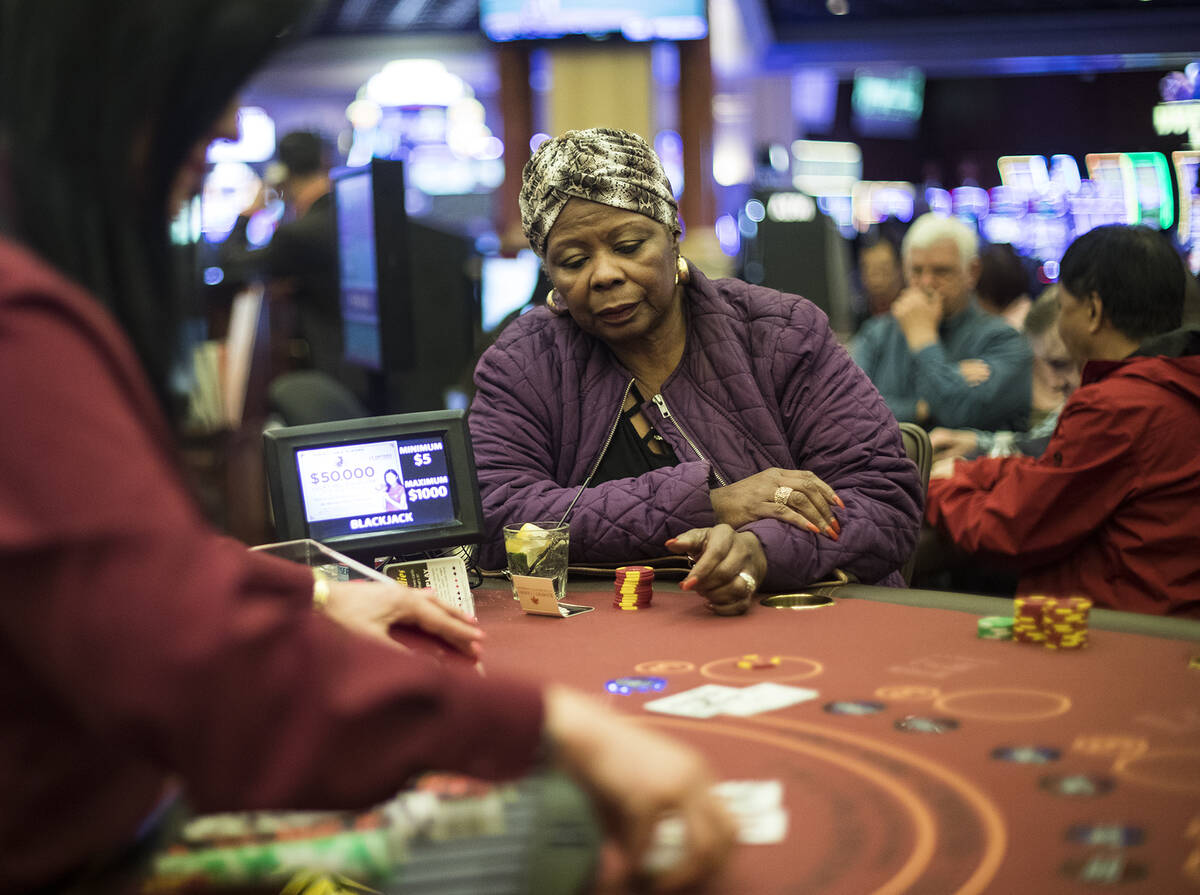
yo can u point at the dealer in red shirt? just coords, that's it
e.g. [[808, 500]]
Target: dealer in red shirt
[[1111, 510]]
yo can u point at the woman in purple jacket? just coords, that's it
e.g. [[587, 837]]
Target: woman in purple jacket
[[652, 406]]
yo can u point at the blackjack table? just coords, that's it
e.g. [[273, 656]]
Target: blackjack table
[[930, 759]]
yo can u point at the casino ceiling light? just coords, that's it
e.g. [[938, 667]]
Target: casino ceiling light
[[416, 82]]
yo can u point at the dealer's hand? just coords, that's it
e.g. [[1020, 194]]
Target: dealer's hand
[[728, 566], [918, 314], [370, 608], [796, 496], [952, 442], [593, 744]]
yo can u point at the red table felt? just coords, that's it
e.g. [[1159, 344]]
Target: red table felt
[[877, 809]]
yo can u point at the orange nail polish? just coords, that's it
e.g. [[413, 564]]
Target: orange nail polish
[[812, 527], [835, 525], [839, 502], [833, 534]]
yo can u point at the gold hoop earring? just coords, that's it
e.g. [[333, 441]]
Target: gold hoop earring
[[682, 272], [553, 304]]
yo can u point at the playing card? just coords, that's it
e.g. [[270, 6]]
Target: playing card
[[700, 702], [765, 697]]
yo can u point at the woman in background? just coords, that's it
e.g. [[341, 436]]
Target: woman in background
[[138, 647]]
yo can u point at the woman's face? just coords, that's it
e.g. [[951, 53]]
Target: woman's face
[[391, 477], [614, 269]]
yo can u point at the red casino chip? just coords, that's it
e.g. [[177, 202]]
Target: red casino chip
[[634, 587]]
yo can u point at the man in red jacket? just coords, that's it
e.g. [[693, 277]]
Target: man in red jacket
[[1111, 510]]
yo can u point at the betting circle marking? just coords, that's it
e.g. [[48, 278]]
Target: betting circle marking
[[995, 829], [790, 668], [664, 666], [907, 693], [1181, 775], [1052, 704], [926, 829]]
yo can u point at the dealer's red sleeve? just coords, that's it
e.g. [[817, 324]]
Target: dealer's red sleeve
[[155, 639]]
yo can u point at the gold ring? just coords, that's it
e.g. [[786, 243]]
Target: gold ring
[[748, 579], [782, 494]]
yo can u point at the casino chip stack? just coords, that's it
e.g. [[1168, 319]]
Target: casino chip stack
[[995, 627], [634, 587], [1027, 619], [1065, 623], [1054, 623]]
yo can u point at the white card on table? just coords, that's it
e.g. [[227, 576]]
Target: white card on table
[[700, 702], [766, 697], [537, 597], [757, 808]]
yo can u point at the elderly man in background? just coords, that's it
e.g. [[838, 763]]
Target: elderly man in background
[[937, 359], [1111, 510]]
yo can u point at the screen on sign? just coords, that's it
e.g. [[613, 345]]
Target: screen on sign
[[392, 485], [648, 20], [379, 485]]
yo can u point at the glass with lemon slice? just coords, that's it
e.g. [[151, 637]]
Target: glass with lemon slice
[[539, 549]]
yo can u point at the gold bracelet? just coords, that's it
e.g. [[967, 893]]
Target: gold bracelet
[[320, 592]]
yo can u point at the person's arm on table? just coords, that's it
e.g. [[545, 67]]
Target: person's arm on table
[[840, 430], [1036, 510], [371, 608]]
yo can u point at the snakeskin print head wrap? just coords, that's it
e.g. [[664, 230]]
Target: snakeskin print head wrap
[[612, 167]]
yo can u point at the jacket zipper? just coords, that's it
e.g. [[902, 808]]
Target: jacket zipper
[[612, 430], [661, 404]]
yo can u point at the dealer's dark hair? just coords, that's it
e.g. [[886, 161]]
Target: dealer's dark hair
[[100, 104], [1136, 272], [302, 153]]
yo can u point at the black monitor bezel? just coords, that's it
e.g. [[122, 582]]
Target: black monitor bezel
[[287, 499], [395, 334]]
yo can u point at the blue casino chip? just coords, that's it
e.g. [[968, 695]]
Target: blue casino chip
[[854, 707], [1026, 754], [627, 685], [1112, 835]]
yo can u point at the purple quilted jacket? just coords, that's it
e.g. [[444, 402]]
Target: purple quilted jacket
[[763, 382]]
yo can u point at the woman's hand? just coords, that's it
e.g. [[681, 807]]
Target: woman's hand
[[370, 608], [669, 780], [795, 496], [728, 566]]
